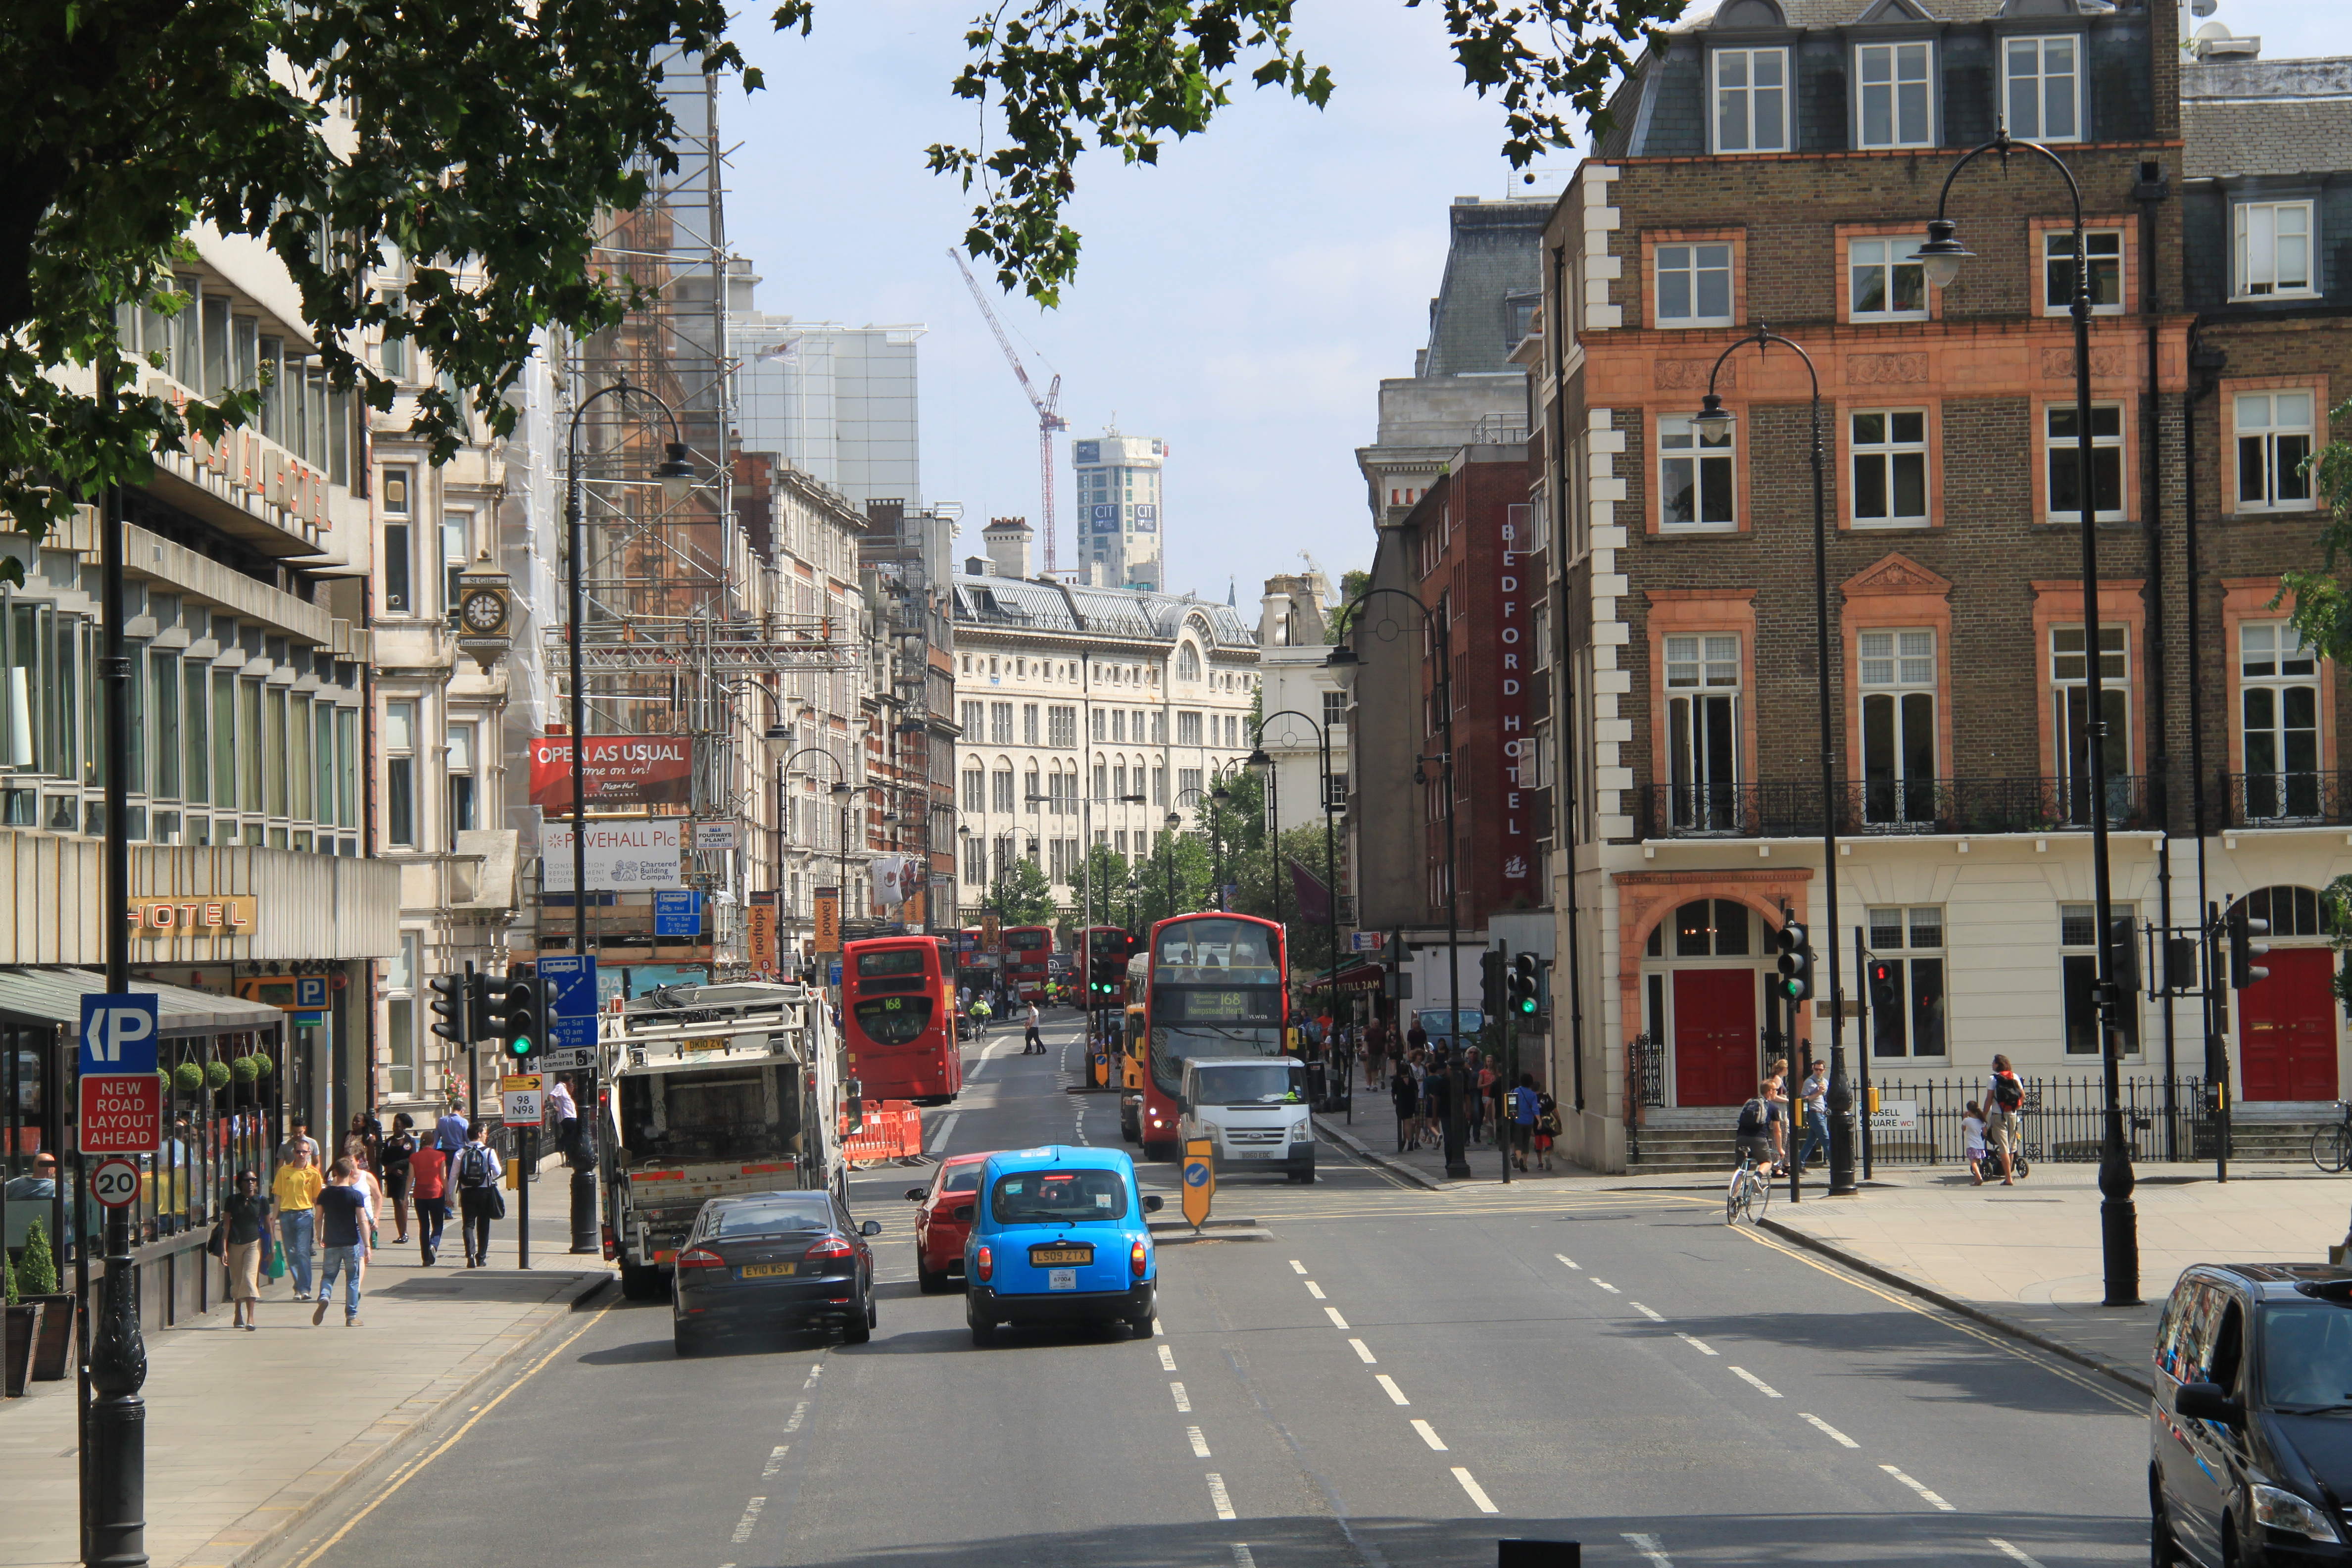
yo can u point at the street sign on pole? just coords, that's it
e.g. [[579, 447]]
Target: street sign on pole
[[121, 1114], [678, 913], [118, 1033], [520, 1098], [570, 984], [567, 1058], [115, 1183]]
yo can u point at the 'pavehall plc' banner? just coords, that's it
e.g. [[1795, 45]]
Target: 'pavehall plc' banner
[[619, 770]]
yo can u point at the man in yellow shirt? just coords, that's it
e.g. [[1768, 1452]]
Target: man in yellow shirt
[[296, 1188]]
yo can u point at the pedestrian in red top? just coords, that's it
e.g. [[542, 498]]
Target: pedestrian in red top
[[428, 1183]]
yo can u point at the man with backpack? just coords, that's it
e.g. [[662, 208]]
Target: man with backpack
[[478, 1172], [2004, 1097]]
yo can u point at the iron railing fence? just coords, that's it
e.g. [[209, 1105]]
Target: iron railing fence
[[2287, 799], [2064, 1119], [1794, 810]]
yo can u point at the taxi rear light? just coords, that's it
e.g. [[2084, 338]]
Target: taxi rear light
[[1137, 1259], [830, 1247], [986, 1263], [700, 1257]]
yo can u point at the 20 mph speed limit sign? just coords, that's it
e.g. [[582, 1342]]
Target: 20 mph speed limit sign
[[115, 1183]]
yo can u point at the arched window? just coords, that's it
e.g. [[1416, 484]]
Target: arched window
[[2292, 912], [1705, 928], [1187, 662]]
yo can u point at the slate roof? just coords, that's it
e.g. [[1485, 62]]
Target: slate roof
[[1844, 12], [1497, 250], [1019, 605], [2266, 117]]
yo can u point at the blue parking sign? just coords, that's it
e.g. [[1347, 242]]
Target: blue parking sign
[[118, 1032], [572, 1006]]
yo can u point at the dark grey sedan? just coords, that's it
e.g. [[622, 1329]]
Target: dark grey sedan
[[773, 1262]]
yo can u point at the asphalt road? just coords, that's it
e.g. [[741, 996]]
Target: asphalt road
[[1399, 1377]]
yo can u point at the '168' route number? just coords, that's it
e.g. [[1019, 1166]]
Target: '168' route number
[[115, 1183]]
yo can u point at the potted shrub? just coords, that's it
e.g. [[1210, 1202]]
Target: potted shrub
[[36, 1282], [24, 1326]]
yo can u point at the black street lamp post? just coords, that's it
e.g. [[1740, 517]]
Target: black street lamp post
[[1343, 663], [1941, 256], [1261, 763], [842, 791], [1841, 1098]]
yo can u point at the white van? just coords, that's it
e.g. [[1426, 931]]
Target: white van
[[1254, 1111]]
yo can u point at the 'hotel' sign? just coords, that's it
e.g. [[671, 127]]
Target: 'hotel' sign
[[228, 914]]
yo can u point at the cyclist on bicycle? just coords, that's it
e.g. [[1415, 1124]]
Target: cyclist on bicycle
[[1754, 1130]]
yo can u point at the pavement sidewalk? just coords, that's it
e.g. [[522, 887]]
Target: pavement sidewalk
[[1373, 1135], [2028, 1260], [247, 1433]]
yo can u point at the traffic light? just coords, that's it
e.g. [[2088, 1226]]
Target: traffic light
[[2123, 954], [1107, 967], [2243, 949], [453, 1008], [1796, 962], [1490, 982], [518, 1015], [1526, 990], [1884, 992]]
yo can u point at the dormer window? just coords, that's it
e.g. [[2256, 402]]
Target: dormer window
[[2042, 89], [1896, 106], [1751, 100]]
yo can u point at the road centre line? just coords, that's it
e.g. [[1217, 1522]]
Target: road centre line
[[1183, 1406], [1922, 1490], [1429, 1434], [1831, 1432], [1477, 1493], [1388, 1384], [1336, 1321], [1296, 1266], [1608, 1287], [1363, 1353], [1572, 1262], [2013, 1551], [1200, 1444], [1218, 1498], [936, 1142], [1699, 1345], [1166, 1358], [1647, 1545], [1646, 1311], [1762, 1387], [1314, 1290]]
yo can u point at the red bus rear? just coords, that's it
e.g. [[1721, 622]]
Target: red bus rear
[[1026, 950], [1214, 985], [898, 1014]]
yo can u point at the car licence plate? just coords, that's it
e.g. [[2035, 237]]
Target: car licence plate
[[767, 1271], [1062, 1279], [1047, 1256]]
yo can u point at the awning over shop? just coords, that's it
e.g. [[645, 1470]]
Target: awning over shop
[[54, 997], [1355, 977]]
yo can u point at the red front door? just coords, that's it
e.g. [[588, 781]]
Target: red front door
[[2287, 1027], [1714, 1035]]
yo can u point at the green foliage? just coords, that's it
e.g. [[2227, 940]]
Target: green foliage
[[1124, 74], [188, 1077], [262, 1065], [1353, 583], [241, 1070], [2322, 609], [484, 132], [1021, 895], [36, 1267], [216, 1075]]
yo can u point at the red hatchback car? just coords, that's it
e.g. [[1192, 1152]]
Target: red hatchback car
[[938, 1234]]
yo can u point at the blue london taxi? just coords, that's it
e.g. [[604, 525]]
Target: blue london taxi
[[1058, 1236]]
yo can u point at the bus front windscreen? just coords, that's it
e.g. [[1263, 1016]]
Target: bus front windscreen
[[893, 1020]]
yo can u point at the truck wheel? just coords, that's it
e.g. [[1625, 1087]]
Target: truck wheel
[[640, 1284]]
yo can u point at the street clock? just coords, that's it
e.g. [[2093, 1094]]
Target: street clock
[[484, 607]]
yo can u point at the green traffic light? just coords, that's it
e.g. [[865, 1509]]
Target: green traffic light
[[519, 1045]]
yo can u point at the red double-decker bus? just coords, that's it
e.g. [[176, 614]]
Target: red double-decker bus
[[1214, 986], [1026, 950], [898, 1014]]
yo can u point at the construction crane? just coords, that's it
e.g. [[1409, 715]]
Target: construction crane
[[1048, 421]]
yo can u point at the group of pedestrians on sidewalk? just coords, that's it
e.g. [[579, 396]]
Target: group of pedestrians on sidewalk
[[1421, 1091]]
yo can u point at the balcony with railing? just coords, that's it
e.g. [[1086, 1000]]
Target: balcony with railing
[[2312, 799], [1890, 808]]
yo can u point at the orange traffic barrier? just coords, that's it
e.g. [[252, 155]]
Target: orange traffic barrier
[[892, 1130]]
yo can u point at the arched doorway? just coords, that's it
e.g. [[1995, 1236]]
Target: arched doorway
[[2286, 1023], [1708, 1009]]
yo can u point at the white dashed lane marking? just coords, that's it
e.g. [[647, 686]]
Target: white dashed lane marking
[[1166, 1358], [1336, 1321], [1931, 1498], [1477, 1493], [1646, 1311], [751, 1517], [1608, 1287], [1832, 1433], [1363, 1353], [1183, 1406], [1699, 1345], [1647, 1545], [1218, 1498], [775, 1459], [1314, 1290], [1388, 1384], [1200, 1444], [1572, 1262], [1762, 1387], [2012, 1551], [1429, 1434], [1296, 1266]]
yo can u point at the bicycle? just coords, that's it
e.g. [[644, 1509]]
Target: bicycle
[[2331, 1147], [1750, 1193]]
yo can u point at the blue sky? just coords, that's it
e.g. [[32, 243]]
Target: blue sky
[[1241, 299]]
